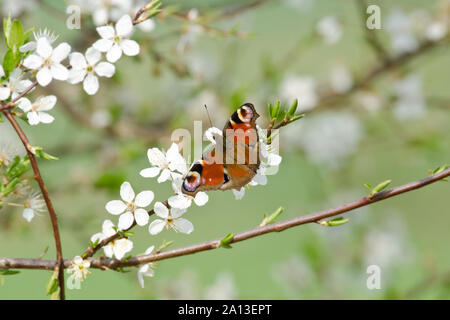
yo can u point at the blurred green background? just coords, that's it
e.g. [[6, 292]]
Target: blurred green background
[[407, 236]]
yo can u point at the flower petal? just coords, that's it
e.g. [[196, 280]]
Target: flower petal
[[4, 93], [124, 26], [59, 72], [43, 48], [44, 76], [150, 172], [156, 157], [90, 84], [176, 213], [44, 117], [149, 250], [61, 52], [180, 201], [106, 32], [77, 61], [33, 118], [144, 198], [239, 194], [108, 249], [126, 192], [130, 47], [161, 210], [141, 217], [201, 198], [183, 225], [156, 226], [24, 104], [33, 62], [165, 175], [125, 221], [28, 214], [105, 69], [115, 207], [76, 75], [93, 56], [114, 53], [103, 45], [46, 103]]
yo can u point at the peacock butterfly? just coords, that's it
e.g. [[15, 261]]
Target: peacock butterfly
[[232, 161]]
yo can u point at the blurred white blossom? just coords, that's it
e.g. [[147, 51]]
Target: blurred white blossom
[[410, 103], [131, 208], [303, 88], [328, 138], [399, 26], [341, 80], [330, 29], [17, 7], [223, 288], [33, 206]]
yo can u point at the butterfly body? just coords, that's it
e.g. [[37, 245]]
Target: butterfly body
[[233, 161]]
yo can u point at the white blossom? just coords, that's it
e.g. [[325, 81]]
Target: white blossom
[[328, 138], [14, 86], [146, 270], [86, 68], [114, 41], [16, 7], [223, 288], [79, 268], [131, 208], [166, 164], [341, 80], [36, 112], [170, 219], [48, 61], [400, 29]]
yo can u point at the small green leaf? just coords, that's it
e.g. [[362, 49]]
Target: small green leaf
[[379, 187], [39, 152], [275, 110], [8, 272], [292, 109], [225, 242], [10, 61], [368, 186], [297, 117], [52, 283], [334, 222]]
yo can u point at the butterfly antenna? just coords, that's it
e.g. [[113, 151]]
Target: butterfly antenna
[[207, 112]]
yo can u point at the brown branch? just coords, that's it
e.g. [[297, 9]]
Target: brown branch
[[38, 177], [104, 263], [13, 101]]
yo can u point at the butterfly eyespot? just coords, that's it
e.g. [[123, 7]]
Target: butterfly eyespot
[[245, 113], [226, 178], [192, 181]]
